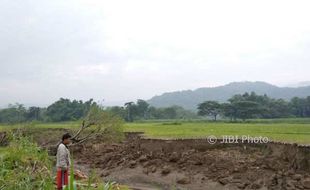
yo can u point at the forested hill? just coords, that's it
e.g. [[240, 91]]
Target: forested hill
[[190, 98]]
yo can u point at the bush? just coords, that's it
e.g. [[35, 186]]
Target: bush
[[24, 166]]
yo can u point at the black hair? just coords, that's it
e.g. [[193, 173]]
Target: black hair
[[66, 136]]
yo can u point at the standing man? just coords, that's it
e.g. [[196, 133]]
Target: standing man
[[63, 161]]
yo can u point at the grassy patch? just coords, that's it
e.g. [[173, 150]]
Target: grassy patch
[[24, 166], [293, 130], [284, 132], [58, 125]]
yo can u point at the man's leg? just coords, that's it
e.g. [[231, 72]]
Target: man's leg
[[60, 179], [66, 173]]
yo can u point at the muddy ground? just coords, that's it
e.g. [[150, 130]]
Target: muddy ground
[[196, 164], [149, 164]]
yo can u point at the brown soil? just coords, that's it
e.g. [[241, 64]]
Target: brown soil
[[3, 139], [195, 164], [148, 164]]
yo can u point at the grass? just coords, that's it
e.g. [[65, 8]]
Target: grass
[[22, 157], [278, 120], [24, 166], [56, 125], [3, 150], [283, 132], [281, 120], [292, 130]]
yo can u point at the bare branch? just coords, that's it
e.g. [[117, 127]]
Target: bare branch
[[95, 123], [87, 137], [82, 128]]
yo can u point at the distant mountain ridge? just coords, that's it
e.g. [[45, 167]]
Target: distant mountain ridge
[[190, 98]]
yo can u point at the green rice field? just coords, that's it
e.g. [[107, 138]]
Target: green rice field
[[291, 131]]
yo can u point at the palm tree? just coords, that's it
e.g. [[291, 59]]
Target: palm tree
[[128, 107]]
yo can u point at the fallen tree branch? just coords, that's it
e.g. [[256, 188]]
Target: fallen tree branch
[[82, 128]]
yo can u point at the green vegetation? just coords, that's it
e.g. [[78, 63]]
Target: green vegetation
[[249, 106], [210, 108], [24, 166], [61, 110], [284, 129], [283, 132], [239, 107], [141, 110], [65, 110], [99, 122]]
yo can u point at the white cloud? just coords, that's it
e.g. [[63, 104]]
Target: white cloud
[[98, 69], [134, 49]]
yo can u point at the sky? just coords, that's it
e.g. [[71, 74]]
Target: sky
[[115, 51]]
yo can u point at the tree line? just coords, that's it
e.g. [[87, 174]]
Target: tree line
[[249, 106], [240, 106], [61, 110], [67, 110], [142, 110]]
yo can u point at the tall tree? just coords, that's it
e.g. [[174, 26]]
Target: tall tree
[[33, 113], [298, 106], [142, 108], [209, 108], [13, 114], [228, 110], [129, 109], [247, 109], [67, 110]]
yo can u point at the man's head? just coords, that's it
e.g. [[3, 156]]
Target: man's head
[[66, 138]]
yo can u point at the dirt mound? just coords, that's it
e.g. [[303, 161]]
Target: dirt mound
[[4, 139], [196, 164]]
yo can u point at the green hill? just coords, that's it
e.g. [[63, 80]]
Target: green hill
[[190, 98]]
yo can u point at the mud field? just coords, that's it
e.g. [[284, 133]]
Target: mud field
[[195, 164]]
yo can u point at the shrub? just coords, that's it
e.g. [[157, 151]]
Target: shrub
[[24, 166]]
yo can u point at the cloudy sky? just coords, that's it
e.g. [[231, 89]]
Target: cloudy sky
[[124, 50]]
